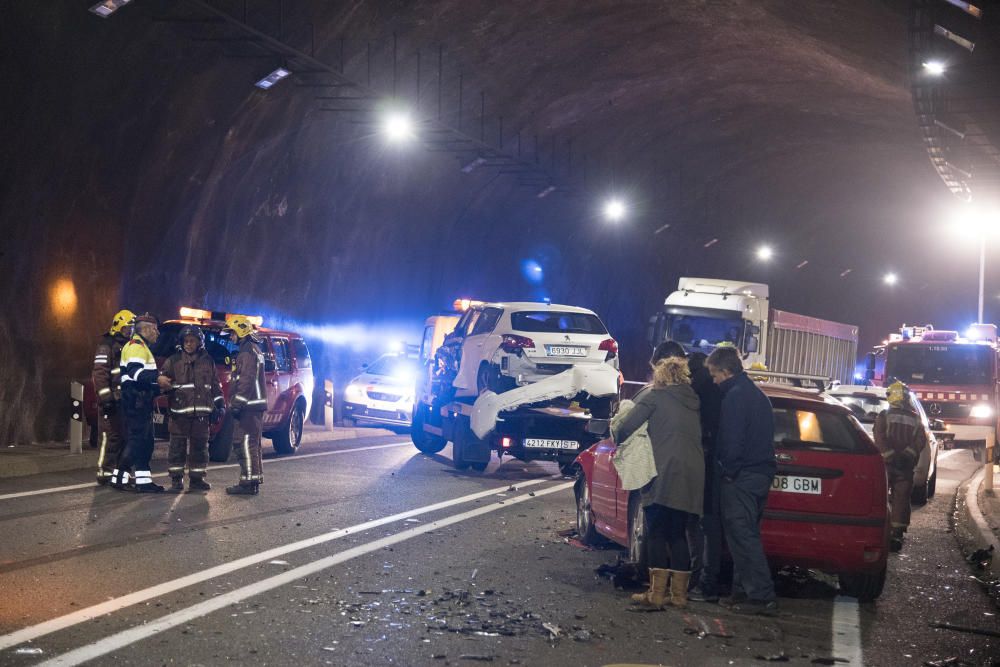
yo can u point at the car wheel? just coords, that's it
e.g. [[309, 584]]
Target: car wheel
[[920, 493], [221, 446], [425, 442], [286, 440], [864, 587], [637, 552], [585, 529]]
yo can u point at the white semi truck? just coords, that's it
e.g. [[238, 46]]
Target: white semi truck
[[706, 312]]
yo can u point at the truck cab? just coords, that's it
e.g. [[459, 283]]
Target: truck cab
[[706, 312]]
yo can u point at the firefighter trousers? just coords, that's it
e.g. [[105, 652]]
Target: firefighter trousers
[[188, 444], [900, 489], [246, 441], [138, 408], [110, 440]]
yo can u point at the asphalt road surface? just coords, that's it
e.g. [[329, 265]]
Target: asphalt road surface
[[365, 552]]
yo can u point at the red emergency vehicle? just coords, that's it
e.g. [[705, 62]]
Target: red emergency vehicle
[[954, 376]]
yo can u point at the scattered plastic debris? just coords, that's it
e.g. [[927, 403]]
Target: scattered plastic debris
[[29, 650], [777, 657], [554, 630], [277, 562], [477, 658], [581, 636], [946, 662]]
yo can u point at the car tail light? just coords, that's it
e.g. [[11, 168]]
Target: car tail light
[[610, 346], [506, 442], [512, 343], [872, 554]]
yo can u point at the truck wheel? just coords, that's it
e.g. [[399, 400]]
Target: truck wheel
[[425, 442], [864, 587], [221, 446], [585, 529], [637, 535], [286, 440]]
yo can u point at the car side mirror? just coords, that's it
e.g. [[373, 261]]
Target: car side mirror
[[599, 427], [269, 365]]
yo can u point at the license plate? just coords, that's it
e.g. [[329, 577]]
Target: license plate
[[544, 443], [791, 484], [565, 351], [157, 417]]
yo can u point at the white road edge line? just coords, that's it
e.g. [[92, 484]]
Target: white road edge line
[[89, 613], [845, 631], [299, 457], [140, 632]]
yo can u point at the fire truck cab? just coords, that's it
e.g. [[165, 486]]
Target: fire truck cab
[[954, 376]]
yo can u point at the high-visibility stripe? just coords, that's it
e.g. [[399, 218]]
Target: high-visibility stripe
[[258, 401], [183, 386], [175, 468], [100, 457], [104, 391], [198, 470], [248, 467], [116, 371], [239, 398]]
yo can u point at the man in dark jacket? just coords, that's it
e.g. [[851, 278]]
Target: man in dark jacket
[[247, 405], [745, 456], [190, 380], [105, 376]]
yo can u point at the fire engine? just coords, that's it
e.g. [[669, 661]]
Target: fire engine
[[954, 376]]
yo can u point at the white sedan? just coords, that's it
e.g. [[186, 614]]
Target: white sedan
[[866, 401]]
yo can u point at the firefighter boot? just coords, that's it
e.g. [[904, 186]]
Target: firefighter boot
[[176, 484], [199, 484], [679, 587], [657, 593], [896, 539], [243, 489]]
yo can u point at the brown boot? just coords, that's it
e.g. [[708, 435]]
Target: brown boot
[[679, 587], [656, 596]]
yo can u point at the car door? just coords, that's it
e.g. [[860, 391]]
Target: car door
[[277, 380], [474, 351], [605, 485]]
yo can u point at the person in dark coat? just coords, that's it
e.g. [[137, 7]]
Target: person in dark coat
[[670, 409], [745, 456]]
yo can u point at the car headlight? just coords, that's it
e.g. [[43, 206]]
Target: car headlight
[[354, 392], [981, 411]]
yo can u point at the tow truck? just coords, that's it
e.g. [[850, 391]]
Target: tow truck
[[552, 418]]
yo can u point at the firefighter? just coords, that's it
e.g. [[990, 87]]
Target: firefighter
[[195, 398], [247, 405], [139, 387], [105, 376], [900, 436]]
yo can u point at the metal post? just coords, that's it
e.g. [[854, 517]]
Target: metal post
[[76, 418]]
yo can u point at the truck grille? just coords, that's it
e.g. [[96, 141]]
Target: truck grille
[[945, 410]]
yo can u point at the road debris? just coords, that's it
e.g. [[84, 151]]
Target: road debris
[[277, 562], [477, 658], [696, 625], [961, 628], [29, 650], [554, 630], [778, 657]]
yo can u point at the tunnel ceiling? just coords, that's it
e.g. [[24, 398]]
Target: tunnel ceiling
[[724, 124]]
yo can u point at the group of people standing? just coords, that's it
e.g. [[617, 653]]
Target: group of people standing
[[127, 379], [711, 430]]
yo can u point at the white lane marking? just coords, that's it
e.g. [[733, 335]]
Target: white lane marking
[[299, 457], [132, 635], [53, 625], [845, 631]]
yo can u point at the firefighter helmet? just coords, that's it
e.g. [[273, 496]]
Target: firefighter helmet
[[123, 319], [896, 394], [191, 330], [240, 325]]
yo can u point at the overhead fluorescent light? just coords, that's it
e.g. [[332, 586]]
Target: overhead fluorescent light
[[108, 7], [272, 78], [475, 163], [546, 192]]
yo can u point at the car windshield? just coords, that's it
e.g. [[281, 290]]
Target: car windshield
[[554, 321], [705, 332], [219, 347], [799, 428], [864, 406], [957, 364], [395, 366]]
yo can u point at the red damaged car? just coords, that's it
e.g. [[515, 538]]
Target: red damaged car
[[827, 509]]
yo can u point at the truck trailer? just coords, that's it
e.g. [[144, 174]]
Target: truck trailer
[[704, 313]]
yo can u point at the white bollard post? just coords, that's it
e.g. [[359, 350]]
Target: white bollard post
[[328, 405], [76, 418]]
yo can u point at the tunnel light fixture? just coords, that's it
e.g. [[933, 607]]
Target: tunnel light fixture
[[615, 209], [273, 78], [890, 279], [398, 128], [108, 7], [935, 67], [765, 253], [480, 160]]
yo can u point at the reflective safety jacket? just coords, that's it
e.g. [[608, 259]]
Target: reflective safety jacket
[[196, 390], [899, 434], [138, 365], [107, 370], [248, 378]]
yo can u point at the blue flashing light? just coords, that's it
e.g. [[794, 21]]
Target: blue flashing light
[[532, 271]]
